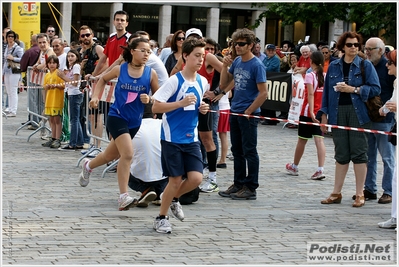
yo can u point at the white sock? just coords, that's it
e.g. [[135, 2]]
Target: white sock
[[320, 169], [294, 166], [88, 168], [212, 176], [121, 195]]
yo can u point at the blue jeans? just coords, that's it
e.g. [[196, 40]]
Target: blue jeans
[[244, 139], [379, 142], [76, 137], [215, 115]]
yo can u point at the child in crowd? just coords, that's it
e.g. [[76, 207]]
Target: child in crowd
[[135, 82], [314, 83], [179, 99], [75, 99], [54, 88]]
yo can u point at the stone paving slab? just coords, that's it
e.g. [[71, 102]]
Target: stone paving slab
[[48, 219]]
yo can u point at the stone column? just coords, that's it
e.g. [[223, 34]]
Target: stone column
[[212, 24], [114, 7], [260, 31], [66, 18], [164, 21]]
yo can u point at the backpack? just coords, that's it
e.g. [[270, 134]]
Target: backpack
[[92, 58]]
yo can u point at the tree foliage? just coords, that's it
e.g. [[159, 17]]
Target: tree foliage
[[372, 17]]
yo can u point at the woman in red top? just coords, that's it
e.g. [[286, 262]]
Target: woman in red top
[[314, 84], [304, 61]]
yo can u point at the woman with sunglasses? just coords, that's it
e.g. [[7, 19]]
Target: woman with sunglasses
[[391, 106], [176, 46], [13, 53], [345, 92]]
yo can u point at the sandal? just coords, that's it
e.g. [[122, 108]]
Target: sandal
[[332, 199]]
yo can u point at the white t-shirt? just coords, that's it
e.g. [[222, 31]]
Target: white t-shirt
[[155, 63], [224, 103], [146, 163], [62, 59], [73, 89]]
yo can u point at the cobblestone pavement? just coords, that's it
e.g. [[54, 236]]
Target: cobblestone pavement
[[48, 219]]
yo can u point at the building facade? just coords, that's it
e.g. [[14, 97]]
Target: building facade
[[216, 20]]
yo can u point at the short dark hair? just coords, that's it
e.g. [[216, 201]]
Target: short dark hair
[[53, 58], [189, 44], [342, 40], [122, 12]]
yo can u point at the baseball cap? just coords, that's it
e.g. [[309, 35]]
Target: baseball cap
[[271, 46], [193, 31]]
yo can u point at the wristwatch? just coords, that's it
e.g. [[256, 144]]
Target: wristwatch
[[356, 90], [217, 91]]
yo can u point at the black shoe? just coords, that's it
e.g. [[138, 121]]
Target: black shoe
[[232, 189], [28, 123], [244, 194], [221, 165], [367, 195]]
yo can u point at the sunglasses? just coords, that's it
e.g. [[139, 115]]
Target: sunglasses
[[209, 48], [390, 62], [240, 43], [180, 38], [85, 35], [325, 53], [10, 36], [50, 31], [352, 44]]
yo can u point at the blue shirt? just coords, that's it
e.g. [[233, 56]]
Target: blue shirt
[[369, 89], [272, 64], [246, 75], [180, 125], [128, 105]]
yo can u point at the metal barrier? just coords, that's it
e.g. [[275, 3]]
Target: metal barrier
[[36, 103], [107, 96]]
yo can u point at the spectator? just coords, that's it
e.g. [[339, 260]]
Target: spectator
[[328, 58], [304, 61], [154, 46], [54, 105], [250, 93], [375, 52], [392, 107], [166, 49], [272, 63], [258, 53], [176, 46], [28, 59], [343, 102], [293, 61], [51, 33], [13, 53]]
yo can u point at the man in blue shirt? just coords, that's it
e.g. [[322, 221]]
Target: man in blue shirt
[[272, 64], [250, 91]]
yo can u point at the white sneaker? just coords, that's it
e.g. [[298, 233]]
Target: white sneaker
[[162, 226], [126, 201], [318, 175], [85, 174], [209, 186], [291, 170], [176, 210], [390, 224]]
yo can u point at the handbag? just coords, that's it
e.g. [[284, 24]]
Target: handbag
[[373, 104], [373, 107], [393, 138], [14, 66]]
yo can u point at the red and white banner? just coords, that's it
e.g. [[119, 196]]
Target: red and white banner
[[298, 94], [36, 77], [107, 95]]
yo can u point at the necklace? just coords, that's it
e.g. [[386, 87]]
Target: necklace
[[136, 66]]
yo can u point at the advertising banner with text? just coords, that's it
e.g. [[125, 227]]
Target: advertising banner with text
[[25, 20]]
